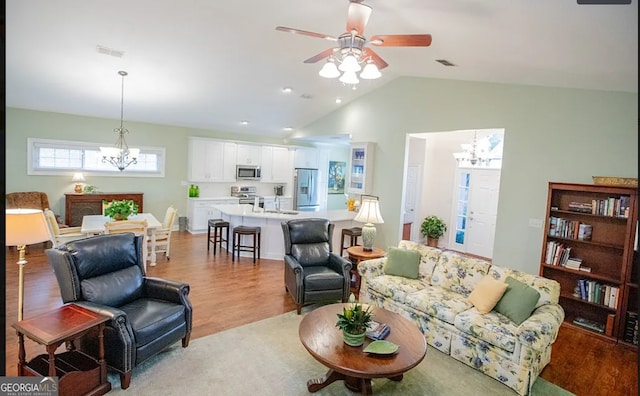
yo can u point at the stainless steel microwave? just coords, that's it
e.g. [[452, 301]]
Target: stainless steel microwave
[[247, 172]]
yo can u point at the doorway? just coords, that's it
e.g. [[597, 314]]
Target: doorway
[[442, 158]]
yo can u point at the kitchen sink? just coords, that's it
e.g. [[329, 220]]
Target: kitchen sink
[[288, 212]]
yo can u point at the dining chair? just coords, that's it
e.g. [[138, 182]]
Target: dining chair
[[59, 235], [163, 235], [137, 227]]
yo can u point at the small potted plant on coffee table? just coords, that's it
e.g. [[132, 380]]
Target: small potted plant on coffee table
[[121, 210], [353, 321], [433, 228]]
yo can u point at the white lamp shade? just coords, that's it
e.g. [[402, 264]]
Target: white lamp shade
[[369, 212], [349, 78], [329, 70], [370, 72], [25, 227], [78, 177], [350, 64]]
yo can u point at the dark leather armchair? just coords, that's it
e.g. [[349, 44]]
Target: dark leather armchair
[[105, 274], [312, 273]]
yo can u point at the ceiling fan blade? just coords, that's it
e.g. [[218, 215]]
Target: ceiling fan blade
[[305, 33], [380, 63], [321, 55], [401, 40], [357, 17]]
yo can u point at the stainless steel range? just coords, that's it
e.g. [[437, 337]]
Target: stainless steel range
[[247, 195]]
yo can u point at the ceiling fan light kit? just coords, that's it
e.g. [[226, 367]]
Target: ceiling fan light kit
[[351, 54]]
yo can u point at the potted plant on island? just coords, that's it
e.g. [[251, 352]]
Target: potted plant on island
[[433, 228], [121, 210], [353, 321]]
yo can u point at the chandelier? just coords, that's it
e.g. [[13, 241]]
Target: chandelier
[[475, 153], [120, 155], [346, 61]]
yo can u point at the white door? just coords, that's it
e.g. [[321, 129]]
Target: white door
[[410, 195], [483, 211], [475, 211]]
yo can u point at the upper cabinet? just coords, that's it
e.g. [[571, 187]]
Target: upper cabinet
[[248, 154], [361, 168], [211, 160], [276, 164], [305, 157]]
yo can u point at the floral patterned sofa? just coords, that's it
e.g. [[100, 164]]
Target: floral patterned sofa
[[437, 302]]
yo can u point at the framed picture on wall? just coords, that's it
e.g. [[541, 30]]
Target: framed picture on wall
[[336, 177]]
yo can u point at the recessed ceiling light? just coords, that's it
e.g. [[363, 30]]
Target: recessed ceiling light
[[287, 129], [338, 100], [244, 122], [287, 89]]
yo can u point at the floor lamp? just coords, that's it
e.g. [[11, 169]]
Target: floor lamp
[[24, 227]]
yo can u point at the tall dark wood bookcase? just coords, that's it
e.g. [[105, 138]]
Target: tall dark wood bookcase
[[609, 253]]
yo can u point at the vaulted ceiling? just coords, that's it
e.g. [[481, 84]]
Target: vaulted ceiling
[[212, 64]]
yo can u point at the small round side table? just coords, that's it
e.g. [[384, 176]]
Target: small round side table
[[356, 255]]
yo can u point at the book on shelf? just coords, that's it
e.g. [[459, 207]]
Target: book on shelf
[[630, 334], [584, 232], [608, 328], [377, 330], [583, 288], [585, 269], [573, 263], [589, 324], [582, 207]]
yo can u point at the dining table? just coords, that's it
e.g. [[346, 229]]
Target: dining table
[[94, 225]]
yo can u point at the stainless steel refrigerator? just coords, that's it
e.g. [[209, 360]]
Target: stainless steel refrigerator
[[306, 184]]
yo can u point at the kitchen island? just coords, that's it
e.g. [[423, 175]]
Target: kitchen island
[[272, 241]]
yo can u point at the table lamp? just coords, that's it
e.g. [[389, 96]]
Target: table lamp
[[24, 227], [369, 214], [78, 177]]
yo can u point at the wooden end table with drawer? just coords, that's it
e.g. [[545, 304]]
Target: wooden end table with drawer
[[78, 373], [356, 255]]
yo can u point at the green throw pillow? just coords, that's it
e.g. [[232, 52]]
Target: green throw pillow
[[518, 301], [402, 262]]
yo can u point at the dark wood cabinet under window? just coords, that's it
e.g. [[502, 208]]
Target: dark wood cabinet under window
[[78, 205]]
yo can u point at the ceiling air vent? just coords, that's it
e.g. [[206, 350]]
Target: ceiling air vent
[[444, 62], [109, 51]]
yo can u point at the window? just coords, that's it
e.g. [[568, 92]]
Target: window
[[59, 157]]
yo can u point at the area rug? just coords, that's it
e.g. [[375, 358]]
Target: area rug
[[267, 358]]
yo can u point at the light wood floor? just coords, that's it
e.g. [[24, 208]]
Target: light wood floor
[[226, 295]]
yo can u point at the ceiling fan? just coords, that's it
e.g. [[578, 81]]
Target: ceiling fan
[[351, 50]]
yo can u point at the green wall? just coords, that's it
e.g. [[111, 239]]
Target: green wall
[[551, 134]]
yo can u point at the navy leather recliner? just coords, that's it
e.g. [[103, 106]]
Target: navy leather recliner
[[312, 272], [105, 274]]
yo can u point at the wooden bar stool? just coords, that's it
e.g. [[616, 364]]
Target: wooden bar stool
[[218, 226], [238, 233], [353, 234]]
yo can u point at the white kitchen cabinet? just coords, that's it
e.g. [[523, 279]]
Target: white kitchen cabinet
[[211, 160], [361, 168], [305, 158], [248, 154], [200, 211], [276, 165]]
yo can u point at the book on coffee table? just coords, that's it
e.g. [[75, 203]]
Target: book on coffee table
[[378, 331]]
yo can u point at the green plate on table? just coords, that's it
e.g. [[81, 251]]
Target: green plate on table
[[382, 347]]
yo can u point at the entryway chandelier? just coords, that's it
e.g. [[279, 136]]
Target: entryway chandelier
[[348, 60], [120, 155], [475, 153]]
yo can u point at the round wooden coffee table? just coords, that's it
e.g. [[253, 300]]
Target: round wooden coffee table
[[323, 340]]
